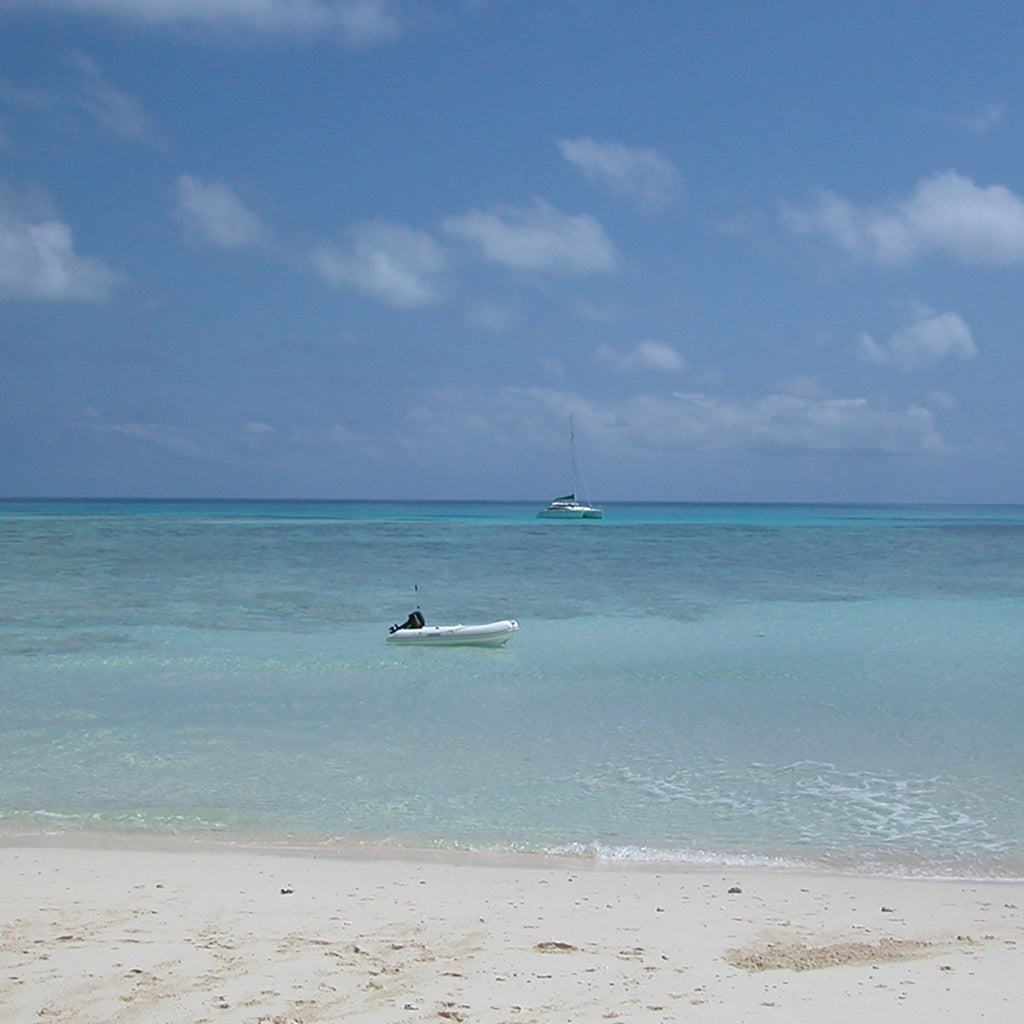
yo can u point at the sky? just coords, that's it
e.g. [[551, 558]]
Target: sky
[[385, 249]]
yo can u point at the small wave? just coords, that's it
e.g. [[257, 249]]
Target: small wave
[[628, 854], [813, 811]]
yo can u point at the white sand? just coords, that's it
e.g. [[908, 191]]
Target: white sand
[[169, 936]]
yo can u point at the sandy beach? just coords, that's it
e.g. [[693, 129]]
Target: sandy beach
[[99, 932]]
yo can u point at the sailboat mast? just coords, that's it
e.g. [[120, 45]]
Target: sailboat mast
[[568, 507], [572, 454]]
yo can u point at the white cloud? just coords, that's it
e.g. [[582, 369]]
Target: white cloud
[[452, 424], [687, 424], [645, 357], [390, 262], [85, 97], [225, 443], [706, 424], [984, 120], [641, 174], [38, 261], [360, 22], [930, 338], [155, 435], [850, 425], [113, 110], [946, 214], [942, 400], [805, 387], [537, 237], [211, 212], [598, 312], [490, 317], [256, 434]]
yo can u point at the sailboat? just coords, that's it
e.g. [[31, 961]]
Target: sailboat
[[568, 507]]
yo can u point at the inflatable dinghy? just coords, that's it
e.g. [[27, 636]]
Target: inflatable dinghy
[[488, 634]]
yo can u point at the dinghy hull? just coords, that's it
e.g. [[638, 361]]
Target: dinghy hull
[[489, 634]]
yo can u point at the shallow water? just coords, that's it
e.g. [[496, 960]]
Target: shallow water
[[815, 685]]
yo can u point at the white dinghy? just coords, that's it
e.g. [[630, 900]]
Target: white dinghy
[[414, 631]]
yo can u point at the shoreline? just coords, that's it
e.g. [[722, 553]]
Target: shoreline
[[292, 844], [178, 931]]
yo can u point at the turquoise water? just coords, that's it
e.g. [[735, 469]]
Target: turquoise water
[[822, 685]]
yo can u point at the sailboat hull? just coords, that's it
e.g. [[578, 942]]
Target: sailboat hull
[[574, 511]]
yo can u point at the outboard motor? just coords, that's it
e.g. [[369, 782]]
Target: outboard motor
[[415, 621]]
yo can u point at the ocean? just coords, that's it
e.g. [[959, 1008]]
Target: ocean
[[836, 687]]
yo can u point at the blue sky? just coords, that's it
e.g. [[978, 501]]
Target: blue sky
[[385, 249]]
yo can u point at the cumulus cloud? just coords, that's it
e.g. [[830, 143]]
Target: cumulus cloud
[[946, 214], [84, 98], [537, 237], [38, 261], [359, 22], [689, 423], [851, 425], [710, 424], [702, 424], [640, 174], [645, 357], [398, 265], [211, 212], [457, 422], [931, 338]]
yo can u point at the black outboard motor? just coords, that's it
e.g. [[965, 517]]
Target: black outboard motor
[[415, 621]]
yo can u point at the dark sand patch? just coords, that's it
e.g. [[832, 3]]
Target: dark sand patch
[[801, 957]]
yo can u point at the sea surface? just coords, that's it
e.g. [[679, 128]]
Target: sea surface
[[824, 686]]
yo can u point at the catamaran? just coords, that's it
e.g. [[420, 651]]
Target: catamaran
[[569, 506]]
